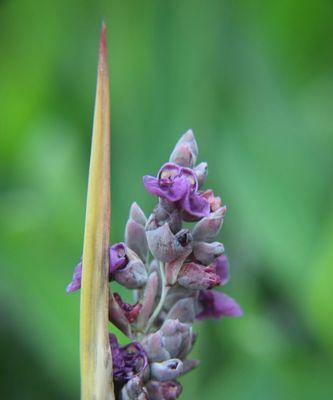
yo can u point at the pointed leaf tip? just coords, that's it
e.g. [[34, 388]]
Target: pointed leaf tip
[[102, 46]]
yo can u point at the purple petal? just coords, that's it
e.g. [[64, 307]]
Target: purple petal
[[117, 256], [75, 283], [165, 188], [172, 182], [195, 206], [190, 175], [128, 361], [217, 304], [222, 268]]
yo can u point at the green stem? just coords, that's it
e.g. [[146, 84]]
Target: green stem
[[160, 304]]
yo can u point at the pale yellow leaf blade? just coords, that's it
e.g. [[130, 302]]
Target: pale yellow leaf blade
[[96, 361]]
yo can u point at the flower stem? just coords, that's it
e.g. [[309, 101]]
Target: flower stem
[[164, 292]]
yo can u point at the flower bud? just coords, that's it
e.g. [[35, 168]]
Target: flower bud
[[170, 390], [134, 274], [177, 293], [137, 214], [167, 247], [201, 171], [154, 347], [135, 234], [209, 227], [206, 253], [177, 338], [75, 283], [172, 340], [117, 256], [130, 311], [148, 301], [215, 202], [134, 390], [185, 152], [195, 276], [188, 365], [117, 316], [165, 212], [166, 370], [183, 310], [172, 268], [221, 264]]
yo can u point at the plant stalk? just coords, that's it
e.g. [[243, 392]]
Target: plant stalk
[[95, 354]]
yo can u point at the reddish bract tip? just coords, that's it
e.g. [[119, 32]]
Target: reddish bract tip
[[102, 46]]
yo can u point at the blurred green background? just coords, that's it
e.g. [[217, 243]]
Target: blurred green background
[[255, 82]]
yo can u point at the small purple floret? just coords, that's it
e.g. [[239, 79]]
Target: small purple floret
[[75, 283], [221, 265], [128, 361], [170, 184], [179, 185], [217, 304], [117, 256]]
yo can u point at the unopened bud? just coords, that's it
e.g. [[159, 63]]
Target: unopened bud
[[148, 300], [134, 390], [154, 347], [188, 365], [183, 310], [172, 268], [221, 264], [134, 274], [166, 370], [75, 283], [195, 276], [117, 316], [207, 229], [177, 338], [206, 253], [137, 214], [177, 293], [135, 234], [170, 390], [172, 340], [185, 152], [167, 247], [201, 171], [165, 212]]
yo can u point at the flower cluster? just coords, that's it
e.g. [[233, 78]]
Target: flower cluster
[[172, 271]]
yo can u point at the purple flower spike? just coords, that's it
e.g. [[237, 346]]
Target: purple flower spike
[[75, 283], [172, 269], [170, 184], [217, 304], [117, 255], [128, 361]]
